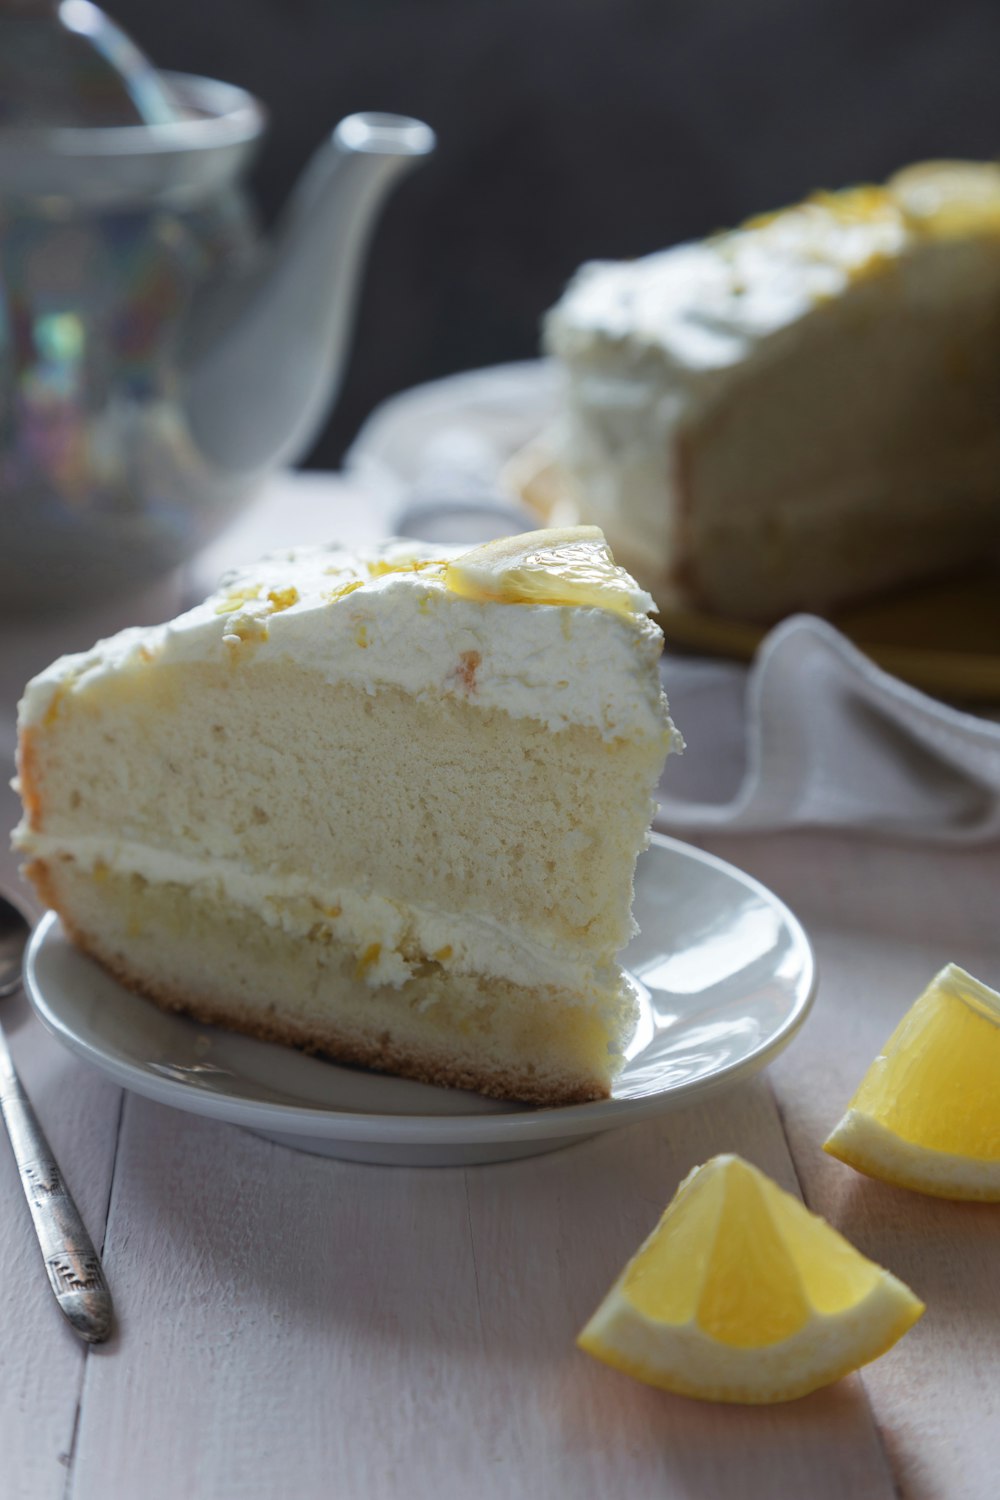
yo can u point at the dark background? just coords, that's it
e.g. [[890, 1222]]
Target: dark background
[[570, 129]]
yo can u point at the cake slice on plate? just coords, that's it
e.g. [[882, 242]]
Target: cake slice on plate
[[798, 414], [384, 806]]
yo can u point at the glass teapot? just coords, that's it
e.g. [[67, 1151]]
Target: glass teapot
[[156, 355]]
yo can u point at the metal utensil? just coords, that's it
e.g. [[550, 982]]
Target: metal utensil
[[74, 1268]]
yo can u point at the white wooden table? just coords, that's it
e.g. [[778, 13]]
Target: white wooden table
[[295, 1326]]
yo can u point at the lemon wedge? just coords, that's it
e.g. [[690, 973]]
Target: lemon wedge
[[569, 565], [741, 1294], [927, 1113]]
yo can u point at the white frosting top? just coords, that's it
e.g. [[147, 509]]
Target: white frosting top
[[388, 617], [705, 307]]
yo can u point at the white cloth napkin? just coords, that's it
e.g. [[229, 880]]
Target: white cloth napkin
[[831, 740]]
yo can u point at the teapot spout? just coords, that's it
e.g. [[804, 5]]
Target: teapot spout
[[266, 350]]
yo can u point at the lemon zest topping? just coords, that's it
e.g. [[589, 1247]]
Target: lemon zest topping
[[370, 957], [345, 588], [280, 599], [935, 199], [236, 598]]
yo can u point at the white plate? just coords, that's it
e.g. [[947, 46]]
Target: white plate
[[724, 971]]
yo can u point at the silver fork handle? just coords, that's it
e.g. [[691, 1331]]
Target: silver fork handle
[[74, 1268]]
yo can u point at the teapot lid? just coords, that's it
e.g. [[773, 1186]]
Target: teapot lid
[[84, 115]]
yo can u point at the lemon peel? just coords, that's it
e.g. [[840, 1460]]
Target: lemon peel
[[570, 565]]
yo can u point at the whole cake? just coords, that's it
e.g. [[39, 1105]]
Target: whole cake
[[797, 414], [385, 806]]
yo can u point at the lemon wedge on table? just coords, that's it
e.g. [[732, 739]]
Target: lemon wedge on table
[[567, 565], [927, 1113], [741, 1294]]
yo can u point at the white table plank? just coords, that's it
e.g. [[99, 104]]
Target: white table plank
[[548, 1244], [41, 1359], [881, 932], [299, 1326], [276, 1325]]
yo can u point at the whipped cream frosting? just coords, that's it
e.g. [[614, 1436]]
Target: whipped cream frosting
[[704, 307], [387, 617], [395, 936]]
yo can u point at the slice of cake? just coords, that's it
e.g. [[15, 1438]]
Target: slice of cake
[[800, 413], [384, 806]]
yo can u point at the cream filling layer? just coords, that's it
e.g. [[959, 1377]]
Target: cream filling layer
[[392, 940]]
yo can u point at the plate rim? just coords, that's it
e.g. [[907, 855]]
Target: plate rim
[[552, 1122]]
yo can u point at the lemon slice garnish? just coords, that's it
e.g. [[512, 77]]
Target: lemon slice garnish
[[572, 565], [947, 199], [927, 1113], [742, 1294]]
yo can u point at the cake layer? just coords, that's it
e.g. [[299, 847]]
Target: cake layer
[[283, 788], [189, 949]]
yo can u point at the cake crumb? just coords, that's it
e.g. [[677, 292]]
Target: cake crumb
[[245, 629]]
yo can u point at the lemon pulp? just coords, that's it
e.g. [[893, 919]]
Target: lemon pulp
[[746, 1260], [927, 1113], [742, 1294], [937, 1083]]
